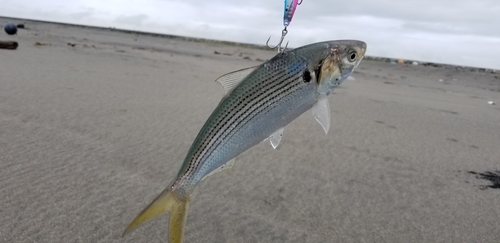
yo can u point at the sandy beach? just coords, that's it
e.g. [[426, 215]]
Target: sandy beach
[[94, 123]]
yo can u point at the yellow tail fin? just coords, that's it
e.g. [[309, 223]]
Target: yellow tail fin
[[168, 200]]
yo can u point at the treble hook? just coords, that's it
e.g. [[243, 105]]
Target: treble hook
[[300, 2], [283, 34]]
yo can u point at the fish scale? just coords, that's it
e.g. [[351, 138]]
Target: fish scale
[[267, 91], [259, 102]]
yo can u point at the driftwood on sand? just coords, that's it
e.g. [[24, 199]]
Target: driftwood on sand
[[11, 45]]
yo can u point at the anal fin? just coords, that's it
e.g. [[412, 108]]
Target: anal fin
[[275, 138]]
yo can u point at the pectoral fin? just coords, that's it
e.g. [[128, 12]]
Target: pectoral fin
[[230, 80], [321, 112], [275, 138]]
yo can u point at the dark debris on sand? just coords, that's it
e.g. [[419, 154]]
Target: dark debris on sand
[[492, 176], [10, 45]]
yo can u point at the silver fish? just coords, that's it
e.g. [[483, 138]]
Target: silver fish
[[258, 103]]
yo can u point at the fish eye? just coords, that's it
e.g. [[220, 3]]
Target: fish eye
[[352, 56]]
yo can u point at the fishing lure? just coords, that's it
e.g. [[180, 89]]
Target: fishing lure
[[290, 6]]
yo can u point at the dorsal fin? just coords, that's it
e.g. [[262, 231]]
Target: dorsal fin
[[232, 79]]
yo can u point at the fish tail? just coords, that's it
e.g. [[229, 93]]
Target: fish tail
[[168, 201]]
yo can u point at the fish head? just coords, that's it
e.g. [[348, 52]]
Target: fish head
[[336, 62]]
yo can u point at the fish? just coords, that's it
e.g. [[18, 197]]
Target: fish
[[258, 103]]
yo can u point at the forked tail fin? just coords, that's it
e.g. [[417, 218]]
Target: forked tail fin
[[167, 201]]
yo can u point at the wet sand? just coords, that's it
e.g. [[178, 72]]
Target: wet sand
[[94, 123]]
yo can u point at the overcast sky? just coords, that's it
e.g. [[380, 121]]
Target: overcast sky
[[463, 32]]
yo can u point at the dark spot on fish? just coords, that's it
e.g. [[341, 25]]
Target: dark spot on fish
[[492, 176], [307, 76]]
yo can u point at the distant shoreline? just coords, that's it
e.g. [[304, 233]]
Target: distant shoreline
[[253, 46]]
